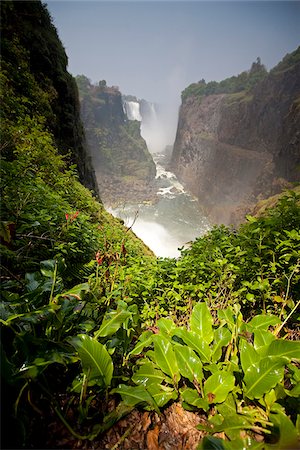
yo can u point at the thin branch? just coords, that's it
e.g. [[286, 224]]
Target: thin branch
[[134, 220]]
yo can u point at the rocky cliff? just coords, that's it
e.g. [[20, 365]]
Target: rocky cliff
[[239, 140], [34, 66], [124, 167]]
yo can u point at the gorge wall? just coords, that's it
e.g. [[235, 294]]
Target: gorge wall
[[123, 165], [34, 73], [239, 140]]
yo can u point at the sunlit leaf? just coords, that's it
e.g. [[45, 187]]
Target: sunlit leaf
[[263, 322], [147, 374], [218, 386], [222, 337], [189, 363], [192, 397], [284, 430], [166, 326], [95, 359], [248, 355], [201, 322], [145, 340], [281, 347], [112, 322], [165, 357], [263, 376], [262, 340], [162, 394], [76, 290], [135, 395], [194, 341]]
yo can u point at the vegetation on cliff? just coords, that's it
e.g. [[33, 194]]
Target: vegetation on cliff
[[35, 81], [245, 81], [242, 82], [120, 154], [241, 143], [95, 329]]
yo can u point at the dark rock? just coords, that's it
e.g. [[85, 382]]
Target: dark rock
[[233, 148]]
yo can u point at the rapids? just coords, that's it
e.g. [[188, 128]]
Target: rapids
[[170, 223]]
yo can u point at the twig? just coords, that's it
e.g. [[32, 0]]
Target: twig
[[122, 438], [134, 220], [35, 237]]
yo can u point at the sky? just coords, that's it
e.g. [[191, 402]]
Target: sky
[[153, 50]]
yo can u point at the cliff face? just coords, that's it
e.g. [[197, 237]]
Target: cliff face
[[233, 148], [34, 61], [122, 162]]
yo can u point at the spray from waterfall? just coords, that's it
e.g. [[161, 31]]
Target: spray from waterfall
[[157, 127]]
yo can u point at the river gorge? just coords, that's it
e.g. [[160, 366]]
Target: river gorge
[[175, 218]]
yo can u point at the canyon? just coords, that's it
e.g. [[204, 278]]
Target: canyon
[[235, 148]]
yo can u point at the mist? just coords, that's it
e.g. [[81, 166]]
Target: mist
[[159, 130], [154, 50]]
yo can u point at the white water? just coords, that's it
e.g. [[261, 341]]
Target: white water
[[176, 218], [169, 224], [132, 110]]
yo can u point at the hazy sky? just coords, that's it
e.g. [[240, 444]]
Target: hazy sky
[[155, 49]]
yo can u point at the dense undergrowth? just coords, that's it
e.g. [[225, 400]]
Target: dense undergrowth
[[89, 315]]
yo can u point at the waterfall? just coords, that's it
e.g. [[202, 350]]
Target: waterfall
[[132, 110], [152, 128], [155, 123]]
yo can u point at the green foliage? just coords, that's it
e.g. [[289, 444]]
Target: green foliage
[[117, 143], [256, 266], [287, 62], [241, 391], [88, 313], [242, 82]]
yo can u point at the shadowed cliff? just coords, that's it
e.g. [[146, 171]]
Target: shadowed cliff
[[238, 141], [123, 164], [34, 67]]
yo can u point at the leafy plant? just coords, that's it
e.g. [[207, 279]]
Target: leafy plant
[[228, 368]]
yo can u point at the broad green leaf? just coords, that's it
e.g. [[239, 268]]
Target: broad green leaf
[[162, 394], [36, 316], [261, 377], [281, 347], [270, 398], [201, 322], [288, 438], [262, 340], [189, 363], [262, 322], [166, 326], [147, 374], [294, 392], [227, 317], [248, 355], [295, 372], [95, 359], [76, 291], [222, 337], [192, 397], [135, 395], [211, 443], [165, 357], [218, 386], [232, 425], [145, 340], [112, 322], [194, 341], [48, 267], [228, 408]]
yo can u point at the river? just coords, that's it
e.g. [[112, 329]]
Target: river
[[170, 223]]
